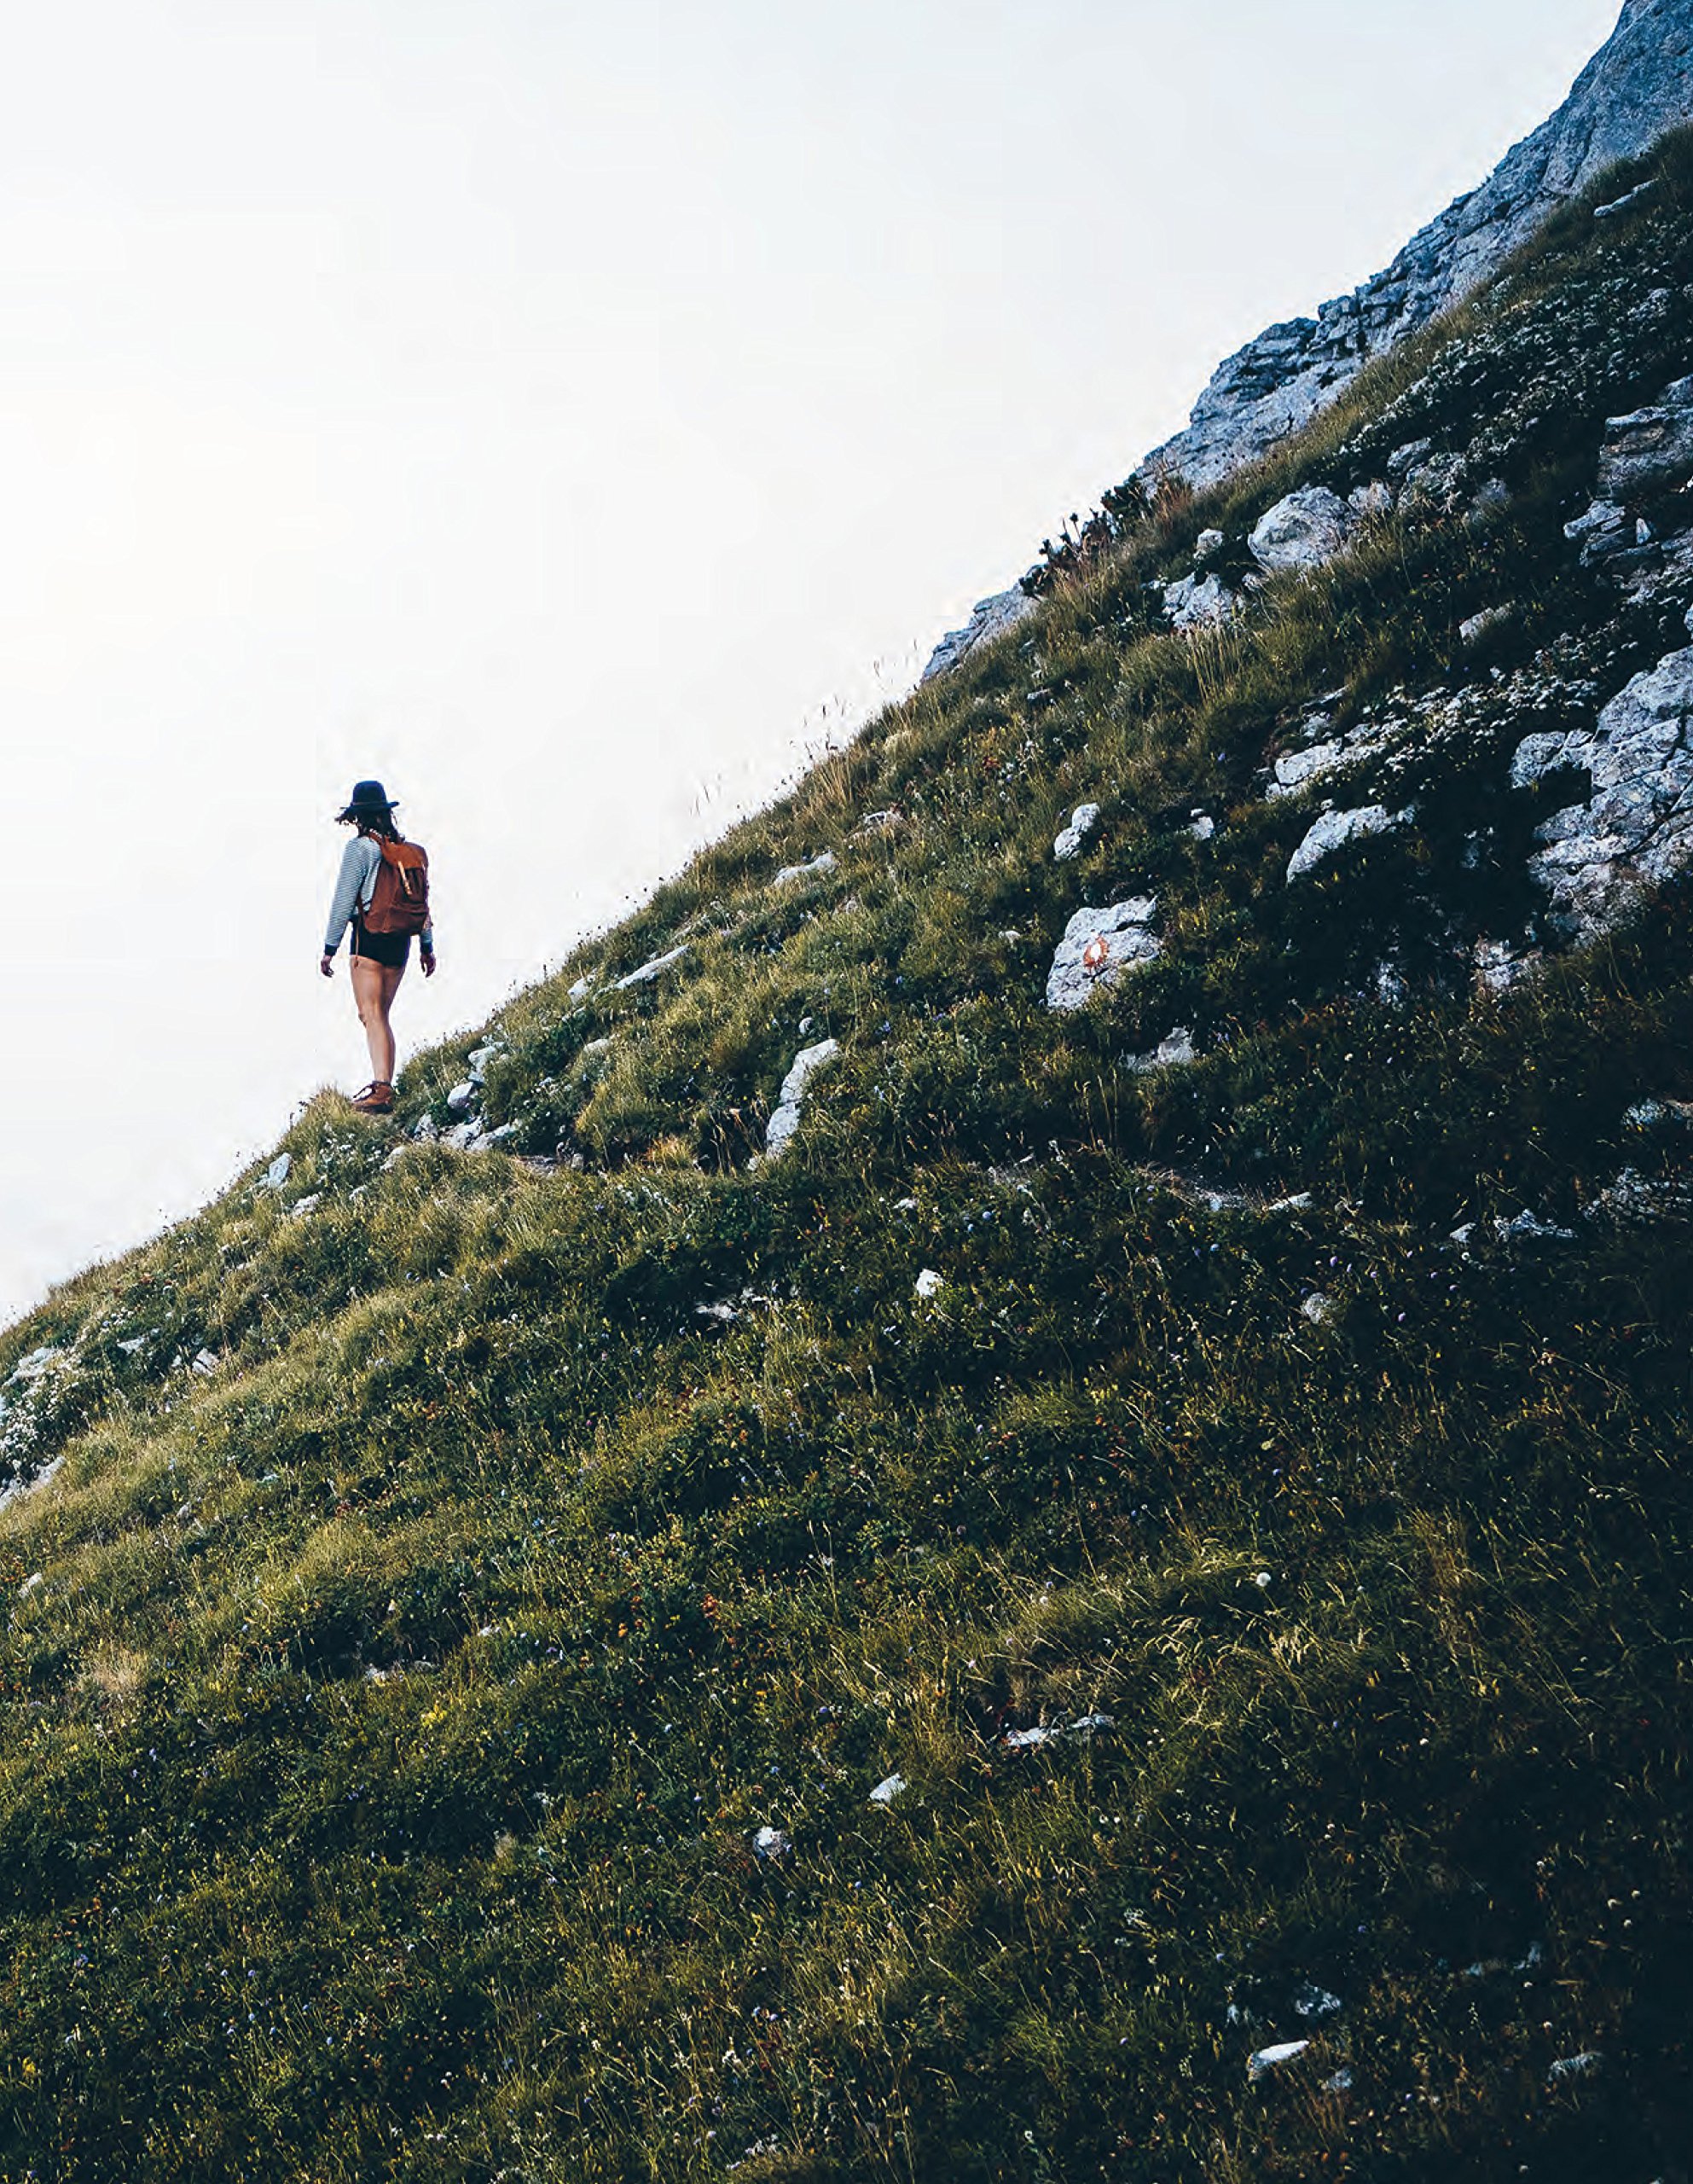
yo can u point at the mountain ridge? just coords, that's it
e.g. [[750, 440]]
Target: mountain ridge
[[1638, 87]]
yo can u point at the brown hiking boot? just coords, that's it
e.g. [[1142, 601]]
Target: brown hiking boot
[[374, 1100]]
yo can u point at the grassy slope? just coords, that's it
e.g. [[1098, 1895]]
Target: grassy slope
[[382, 1747]]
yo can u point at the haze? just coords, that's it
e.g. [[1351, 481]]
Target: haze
[[572, 415]]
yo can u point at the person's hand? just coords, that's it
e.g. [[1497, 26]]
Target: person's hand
[[327, 965], [426, 956]]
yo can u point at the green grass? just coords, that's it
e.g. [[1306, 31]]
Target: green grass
[[387, 1713]]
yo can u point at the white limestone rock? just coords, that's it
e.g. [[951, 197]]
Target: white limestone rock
[[991, 618], [1178, 1051], [30, 1482], [1634, 1198], [779, 1130], [1627, 202], [1601, 531], [1099, 948], [1198, 602], [1484, 624], [649, 972], [1304, 532], [1499, 967], [1271, 2058], [1296, 771], [806, 1064], [1526, 1228], [1335, 830], [1637, 829], [818, 869], [1649, 448], [1071, 842]]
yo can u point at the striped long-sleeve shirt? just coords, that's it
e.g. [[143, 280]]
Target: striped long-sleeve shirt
[[354, 889]]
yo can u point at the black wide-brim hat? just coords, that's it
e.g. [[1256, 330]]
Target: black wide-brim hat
[[370, 799]]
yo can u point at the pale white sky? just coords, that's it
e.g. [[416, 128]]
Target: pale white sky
[[569, 414]]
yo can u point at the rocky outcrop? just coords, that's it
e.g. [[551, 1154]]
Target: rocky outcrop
[[1335, 831], [1650, 449], [1304, 532], [1636, 829], [1639, 86], [991, 618], [1198, 603], [1098, 947]]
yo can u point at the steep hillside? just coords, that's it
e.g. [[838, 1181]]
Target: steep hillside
[[1118, 1606]]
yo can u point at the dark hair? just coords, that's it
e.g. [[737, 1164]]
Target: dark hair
[[370, 820]]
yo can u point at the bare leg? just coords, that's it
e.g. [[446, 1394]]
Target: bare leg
[[375, 985]]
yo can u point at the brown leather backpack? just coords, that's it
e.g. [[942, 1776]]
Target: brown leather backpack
[[399, 897]]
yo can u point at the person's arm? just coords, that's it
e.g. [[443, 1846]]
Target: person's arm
[[356, 863]]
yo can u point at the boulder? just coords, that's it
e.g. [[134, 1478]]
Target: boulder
[[1199, 603], [1484, 624], [1304, 532], [1069, 843], [1099, 948], [1601, 531], [1650, 449], [1636, 828], [1334, 831]]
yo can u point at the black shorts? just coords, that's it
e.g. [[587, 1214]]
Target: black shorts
[[392, 949]]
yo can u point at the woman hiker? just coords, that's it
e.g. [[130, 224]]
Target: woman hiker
[[384, 892]]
